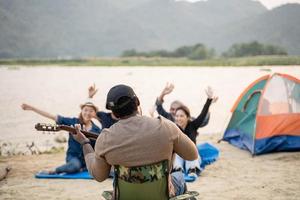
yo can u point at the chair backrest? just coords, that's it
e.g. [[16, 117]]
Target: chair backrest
[[148, 182]]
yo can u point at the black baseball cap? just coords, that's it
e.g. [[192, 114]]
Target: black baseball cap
[[115, 93]]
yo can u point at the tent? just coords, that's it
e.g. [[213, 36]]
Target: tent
[[266, 116]]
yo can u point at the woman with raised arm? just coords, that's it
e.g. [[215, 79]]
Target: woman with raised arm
[[189, 127], [160, 100], [107, 119], [74, 155], [174, 105]]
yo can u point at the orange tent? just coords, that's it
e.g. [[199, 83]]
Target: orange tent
[[266, 116]]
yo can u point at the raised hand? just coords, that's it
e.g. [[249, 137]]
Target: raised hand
[[167, 90], [92, 90], [210, 94], [25, 106]]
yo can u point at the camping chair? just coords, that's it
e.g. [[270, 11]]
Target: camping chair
[[149, 182]]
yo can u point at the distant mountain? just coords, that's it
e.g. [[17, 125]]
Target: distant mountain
[[58, 28], [173, 24], [52, 28], [278, 26]]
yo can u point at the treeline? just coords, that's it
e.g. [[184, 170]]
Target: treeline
[[253, 49], [195, 52], [201, 52]]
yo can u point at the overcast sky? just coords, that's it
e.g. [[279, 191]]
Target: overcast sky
[[268, 3]]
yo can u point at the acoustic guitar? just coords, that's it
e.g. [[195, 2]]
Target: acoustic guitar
[[54, 128]]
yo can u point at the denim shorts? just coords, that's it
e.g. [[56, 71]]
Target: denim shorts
[[178, 181]]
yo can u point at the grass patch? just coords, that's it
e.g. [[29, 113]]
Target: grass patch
[[156, 61]]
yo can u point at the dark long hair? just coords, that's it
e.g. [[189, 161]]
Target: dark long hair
[[185, 109]]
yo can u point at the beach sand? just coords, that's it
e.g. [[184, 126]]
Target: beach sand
[[235, 175], [60, 90]]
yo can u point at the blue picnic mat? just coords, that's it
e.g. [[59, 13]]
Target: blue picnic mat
[[79, 175], [207, 152]]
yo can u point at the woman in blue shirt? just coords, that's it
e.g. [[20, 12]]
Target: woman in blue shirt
[[74, 156], [107, 119]]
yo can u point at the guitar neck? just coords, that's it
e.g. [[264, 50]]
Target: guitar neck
[[71, 129]]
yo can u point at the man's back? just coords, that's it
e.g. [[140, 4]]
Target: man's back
[[135, 140], [138, 140]]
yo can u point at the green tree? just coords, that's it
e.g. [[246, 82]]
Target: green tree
[[195, 52], [129, 53], [253, 49], [200, 52], [183, 51]]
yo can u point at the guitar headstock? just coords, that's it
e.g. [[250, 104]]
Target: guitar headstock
[[47, 127]]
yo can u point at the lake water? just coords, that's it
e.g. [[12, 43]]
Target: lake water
[[60, 90]]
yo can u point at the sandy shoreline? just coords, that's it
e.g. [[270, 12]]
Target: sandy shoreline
[[236, 175]]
